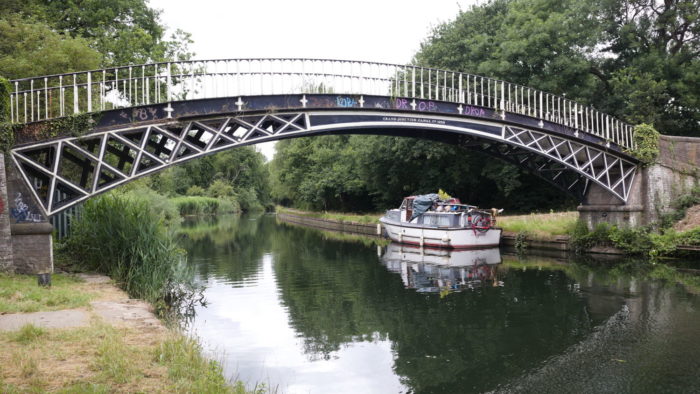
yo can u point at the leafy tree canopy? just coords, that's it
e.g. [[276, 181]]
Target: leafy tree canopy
[[635, 59], [72, 35]]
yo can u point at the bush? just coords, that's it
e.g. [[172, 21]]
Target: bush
[[647, 140], [125, 239], [195, 205], [158, 204], [249, 201], [220, 189], [195, 191]]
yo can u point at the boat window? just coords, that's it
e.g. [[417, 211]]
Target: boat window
[[438, 220]]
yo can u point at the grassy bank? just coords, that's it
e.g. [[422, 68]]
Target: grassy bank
[[126, 240], [19, 293], [540, 225], [371, 218], [100, 357]]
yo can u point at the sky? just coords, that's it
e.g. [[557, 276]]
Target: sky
[[378, 31]]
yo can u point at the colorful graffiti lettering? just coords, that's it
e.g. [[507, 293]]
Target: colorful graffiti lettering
[[402, 104], [427, 106], [474, 111], [21, 212], [420, 105], [345, 101]]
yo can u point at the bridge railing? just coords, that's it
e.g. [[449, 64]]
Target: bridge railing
[[54, 96]]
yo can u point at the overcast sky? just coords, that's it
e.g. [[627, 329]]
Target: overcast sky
[[379, 31]]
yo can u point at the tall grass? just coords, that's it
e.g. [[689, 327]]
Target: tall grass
[[124, 239], [540, 225], [199, 205]]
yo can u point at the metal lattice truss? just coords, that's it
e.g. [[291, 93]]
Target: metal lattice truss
[[67, 171], [555, 158]]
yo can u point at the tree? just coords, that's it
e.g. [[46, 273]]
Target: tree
[[72, 35], [23, 42], [635, 59], [123, 31]]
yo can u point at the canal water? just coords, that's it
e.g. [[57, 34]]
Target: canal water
[[309, 312]]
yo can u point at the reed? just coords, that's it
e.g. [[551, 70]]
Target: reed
[[124, 239], [200, 205]]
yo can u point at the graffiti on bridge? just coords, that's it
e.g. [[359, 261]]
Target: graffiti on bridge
[[419, 105], [21, 212], [345, 102]]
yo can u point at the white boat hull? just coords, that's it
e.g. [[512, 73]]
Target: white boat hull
[[455, 238]]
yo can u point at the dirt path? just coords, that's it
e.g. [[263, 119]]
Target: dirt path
[[112, 305]]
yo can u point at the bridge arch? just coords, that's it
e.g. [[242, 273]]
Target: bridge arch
[[153, 116], [68, 170]]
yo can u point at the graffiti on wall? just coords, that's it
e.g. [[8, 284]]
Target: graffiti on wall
[[21, 212]]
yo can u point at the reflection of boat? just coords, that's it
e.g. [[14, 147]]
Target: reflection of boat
[[440, 270], [428, 221]]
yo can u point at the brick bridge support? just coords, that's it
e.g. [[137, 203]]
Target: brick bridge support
[[25, 233], [654, 190]]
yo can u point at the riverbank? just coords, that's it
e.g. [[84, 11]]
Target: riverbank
[[86, 335], [545, 237], [556, 231]]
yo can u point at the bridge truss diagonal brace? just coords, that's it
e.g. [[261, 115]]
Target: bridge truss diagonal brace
[[612, 172], [65, 172]]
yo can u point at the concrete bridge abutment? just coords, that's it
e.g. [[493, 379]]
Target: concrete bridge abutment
[[654, 190], [26, 244]]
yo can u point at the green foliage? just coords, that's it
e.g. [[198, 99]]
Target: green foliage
[[72, 36], [195, 190], [29, 48], [159, 205], [220, 189], [582, 240], [521, 241], [126, 240], [249, 201], [193, 373], [362, 173], [75, 125], [28, 333], [5, 90], [8, 133], [647, 140], [640, 241], [198, 205], [679, 208], [633, 241], [634, 59], [237, 177]]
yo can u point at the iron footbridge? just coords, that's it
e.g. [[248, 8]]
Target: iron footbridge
[[148, 117]]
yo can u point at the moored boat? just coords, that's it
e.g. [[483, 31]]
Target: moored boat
[[429, 221]]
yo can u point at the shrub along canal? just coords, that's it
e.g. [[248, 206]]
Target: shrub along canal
[[305, 311]]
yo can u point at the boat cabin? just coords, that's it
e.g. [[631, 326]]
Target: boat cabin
[[448, 213]]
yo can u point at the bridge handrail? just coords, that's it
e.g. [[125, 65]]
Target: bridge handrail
[[58, 95]]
